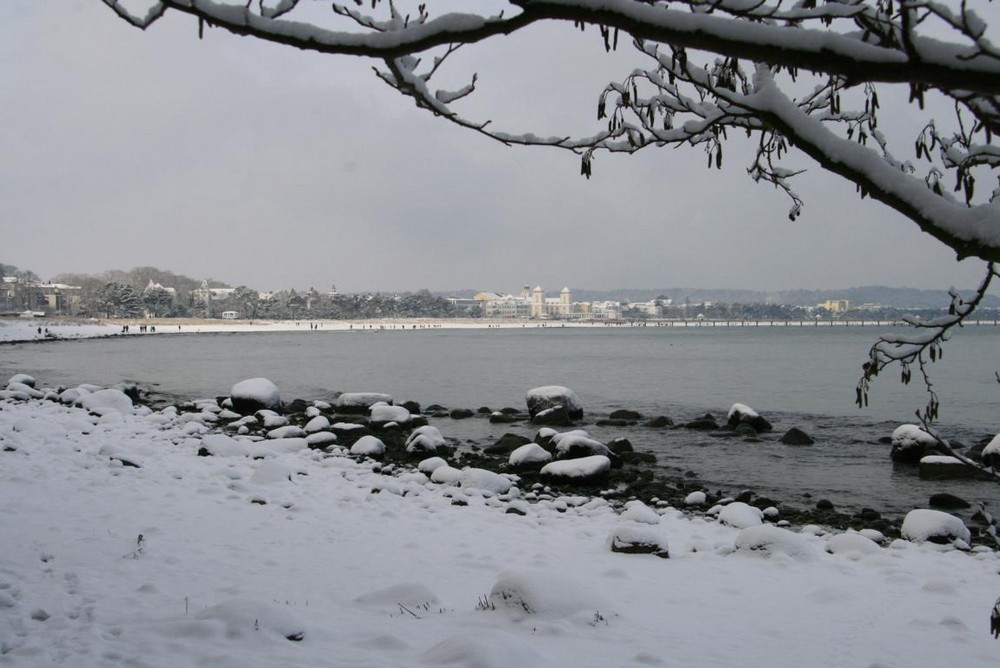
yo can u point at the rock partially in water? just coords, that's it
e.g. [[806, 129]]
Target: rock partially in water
[[946, 501], [704, 423], [507, 444], [550, 396], [741, 414], [796, 436], [940, 467], [910, 444]]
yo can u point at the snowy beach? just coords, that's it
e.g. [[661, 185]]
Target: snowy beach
[[123, 547]]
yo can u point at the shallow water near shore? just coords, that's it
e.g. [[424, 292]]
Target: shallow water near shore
[[803, 377]]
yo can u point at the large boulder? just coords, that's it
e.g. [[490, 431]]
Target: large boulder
[[383, 413], [741, 414], [910, 444], [991, 453], [550, 396], [942, 467], [529, 456], [251, 395], [584, 471]]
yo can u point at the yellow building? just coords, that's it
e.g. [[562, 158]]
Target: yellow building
[[835, 305]]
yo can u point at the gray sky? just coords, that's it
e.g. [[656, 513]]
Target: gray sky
[[261, 165]]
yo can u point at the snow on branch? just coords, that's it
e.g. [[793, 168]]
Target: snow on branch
[[921, 347]]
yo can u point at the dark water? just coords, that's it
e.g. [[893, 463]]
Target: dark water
[[802, 377]]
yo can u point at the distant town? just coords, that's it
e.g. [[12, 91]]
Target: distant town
[[148, 292]]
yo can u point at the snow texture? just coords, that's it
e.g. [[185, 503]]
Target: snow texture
[[426, 439], [368, 446], [528, 454], [584, 467], [258, 391], [741, 515]]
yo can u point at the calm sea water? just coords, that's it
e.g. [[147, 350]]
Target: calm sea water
[[802, 377]]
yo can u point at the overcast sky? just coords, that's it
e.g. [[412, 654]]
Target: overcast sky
[[261, 165]]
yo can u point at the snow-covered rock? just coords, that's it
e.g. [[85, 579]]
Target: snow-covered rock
[[251, 395], [106, 401], [934, 526], [770, 540], [936, 467], [695, 499], [425, 439], [637, 511], [572, 445], [246, 618], [851, 543], [429, 465], [585, 470], [991, 453], [741, 515], [318, 423], [383, 413], [910, 443], [321, 439], [550, 396], [530, 455], [631, 539], [360, 402], [545, 594], [24, 379], [743, 414], [288, 431], [488, 481], [368, 446]]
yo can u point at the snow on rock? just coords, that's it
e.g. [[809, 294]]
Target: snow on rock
[[24, 379], [425, 439], [584, 470], [368, 446], [107, 401], [272, 420], [695, 499], [741, 515], [221, 445], [637, 511], [249, 396], [910, 443], [991, 453], [481, 479], [631, 539], [935, 526], [770, 540], [743, 414], [318, 423], [321, 439], [427, 466], [851, 543], [551, 396], [545, 594], [288, 431], [360, 402], [23, 391], [530, 455], [571, 445], [446, 475], [383, 413]]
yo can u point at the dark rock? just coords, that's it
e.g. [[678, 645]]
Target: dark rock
[[623, 414], [620, 445], [297, 406], [946, 468], [203, 452], [348, 435], [608, 422], [704, 423], [411, 406], [745, 496], [507, 444], [507, 410], [514, 510], [637, 457], [484, 410], [885, 440], [499, 417], [461, 414], [556, 417], [762, 502], [947, 501], [744, 429], [824, 504], [870, 514], [796, 436], [660, 422]]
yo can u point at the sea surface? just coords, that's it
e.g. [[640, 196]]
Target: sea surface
[[795, 376]]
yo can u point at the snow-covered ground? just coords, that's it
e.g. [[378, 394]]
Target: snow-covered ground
[[121, 547]]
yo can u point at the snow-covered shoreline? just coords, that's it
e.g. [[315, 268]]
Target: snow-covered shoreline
[[384, 568]]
